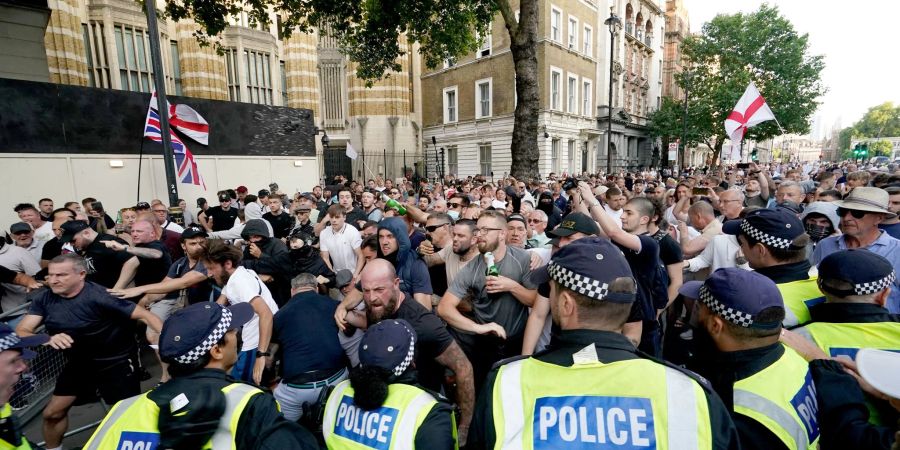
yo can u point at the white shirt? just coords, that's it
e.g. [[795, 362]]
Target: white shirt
[[16, 259], [719, 253], [616, 215], [242, 287], [44, 233], [341, 246], [173, 227]]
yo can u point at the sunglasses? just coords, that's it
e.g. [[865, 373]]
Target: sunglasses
[[433, 228], [455, 205], [857, 214]]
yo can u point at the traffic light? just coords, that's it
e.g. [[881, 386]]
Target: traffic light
[[754, 155]]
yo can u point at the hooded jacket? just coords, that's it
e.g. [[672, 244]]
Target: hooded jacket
[[274, 260], [404, 258]]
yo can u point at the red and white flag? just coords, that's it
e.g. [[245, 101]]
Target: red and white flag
[[750, 110], [186, 120]]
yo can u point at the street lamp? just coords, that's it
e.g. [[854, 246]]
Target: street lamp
[[687, 79], [614, 24]]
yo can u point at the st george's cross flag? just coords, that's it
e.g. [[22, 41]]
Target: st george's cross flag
[[186, 120], [185, 166], [750, 110]]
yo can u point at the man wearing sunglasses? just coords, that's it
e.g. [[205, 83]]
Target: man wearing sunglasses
[[861, 212]]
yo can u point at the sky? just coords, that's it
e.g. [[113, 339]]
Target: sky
[[857, 38]]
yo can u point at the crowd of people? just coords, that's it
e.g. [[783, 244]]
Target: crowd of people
[[750, 306]]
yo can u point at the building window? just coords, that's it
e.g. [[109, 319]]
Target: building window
[[555, 86], [176, 66], [452, 160], [284, 96], [134, 60], [449, 62], [450, 105], [554, 156], [88, 59], [586, 98], [588, 47], [485, 48], [571, 156], [483, 93], [555, 24], [331, 89], [97, 57], [259, 77], [231, 72], [573, 33], [484, 158], [572, 92]]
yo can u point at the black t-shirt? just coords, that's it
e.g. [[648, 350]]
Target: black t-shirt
[[643, 266], [281, 224], [433, 340], [200, 292], [355, 216], [51, 249], [222, 220], [307, 335], [99, 324], [669, 250], [6, 276], [153, 270], [104, 264]]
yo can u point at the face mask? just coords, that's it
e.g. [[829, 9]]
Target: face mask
[[817, 232], [453, 215]]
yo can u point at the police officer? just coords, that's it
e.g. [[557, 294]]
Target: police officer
[[13, 354], [856, 284], [593, 388], [201, 406], [774, 242], [767, 386], [380, 406]]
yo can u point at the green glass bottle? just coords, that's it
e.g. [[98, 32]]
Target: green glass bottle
[[492, 270], [393, 204]]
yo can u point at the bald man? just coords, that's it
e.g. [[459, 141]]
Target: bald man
[[703, 218], [437, 349]]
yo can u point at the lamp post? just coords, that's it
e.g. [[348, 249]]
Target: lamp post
[[614, 24], [683, 150]]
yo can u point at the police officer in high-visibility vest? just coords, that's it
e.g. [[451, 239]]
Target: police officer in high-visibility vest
[[767, 386], [856, 284], [774, 242], [592, 388], [380, 406], [13, 354], [201, 407]]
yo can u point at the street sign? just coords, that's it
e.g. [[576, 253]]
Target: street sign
[[673, 151]]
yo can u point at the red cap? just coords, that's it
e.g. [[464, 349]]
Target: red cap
[[241, 189]]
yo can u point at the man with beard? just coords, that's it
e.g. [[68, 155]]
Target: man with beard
[[240, 285], [500, 303], [372, 211], [105, 266], [462, 250], [757, 190], [438, 236], [267, 256], [394, 246], [437, 350]]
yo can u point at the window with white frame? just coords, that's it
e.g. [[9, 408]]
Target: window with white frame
[[284, 94], [484, 158], [96, 53], [571, 156], [555, 87], [483, 92], [135, 70], [573, 33], [231, 74], [452, 160], [555, 24], [588, 47], [484, 49], [259, 77], [449, 62], [572, 94], [554, 156], [587, 95], [176, 66], [450, 105]]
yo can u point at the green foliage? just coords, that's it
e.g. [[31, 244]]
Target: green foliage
[[845, 137], [879, 121], [880, 148], [368, 31], [763, 47]]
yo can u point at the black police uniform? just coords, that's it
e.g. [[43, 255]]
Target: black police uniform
[[611, 347], [786, 273]]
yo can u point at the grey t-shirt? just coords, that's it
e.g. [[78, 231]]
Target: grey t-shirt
[[501, 308]]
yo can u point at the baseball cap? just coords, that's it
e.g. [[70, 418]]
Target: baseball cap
[[192, 232], [19, 227], [191, 332], [736, 295], [70, 229], [142, 205], [241, 189], [880, 368], [224, 198], [865, 271], [343, 277], [775, 228], [516, 217], [262, 193], [588, 266], [9, 340], [390, 344], [573, 223]]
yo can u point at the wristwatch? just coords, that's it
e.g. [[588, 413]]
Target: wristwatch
[[260, 354]]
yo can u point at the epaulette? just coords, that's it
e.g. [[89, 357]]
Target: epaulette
[[508, 360], [690, 373]]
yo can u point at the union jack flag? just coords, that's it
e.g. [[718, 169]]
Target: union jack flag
[[185, 166]]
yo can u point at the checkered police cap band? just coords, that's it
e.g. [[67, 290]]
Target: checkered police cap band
[[767, 239], [410, 354], [9, 341], [728, 313], [211, 340], [872, 287], [578, 283]]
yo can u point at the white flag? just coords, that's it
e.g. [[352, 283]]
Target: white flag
[[750, 110], [351, 153]]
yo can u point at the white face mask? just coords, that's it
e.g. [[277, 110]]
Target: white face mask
[[453, 214]]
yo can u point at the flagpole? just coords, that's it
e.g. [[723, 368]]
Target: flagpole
[[163, 107], [140, 162]]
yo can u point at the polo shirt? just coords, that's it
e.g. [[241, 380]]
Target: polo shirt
[[885, 246]]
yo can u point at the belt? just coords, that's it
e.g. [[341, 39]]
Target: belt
[[319, 384]]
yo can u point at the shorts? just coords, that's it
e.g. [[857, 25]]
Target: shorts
[[113, 380], [243, 368], [164, 308]]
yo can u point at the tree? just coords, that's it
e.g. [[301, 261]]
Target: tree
[[733, 50], [668, 124], [879, 121], [369, 34], [845, 137], [881, 148]]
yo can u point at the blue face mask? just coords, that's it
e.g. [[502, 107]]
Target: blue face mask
[[453, 215]]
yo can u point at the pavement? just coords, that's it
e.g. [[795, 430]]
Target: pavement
[[92, 413]]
